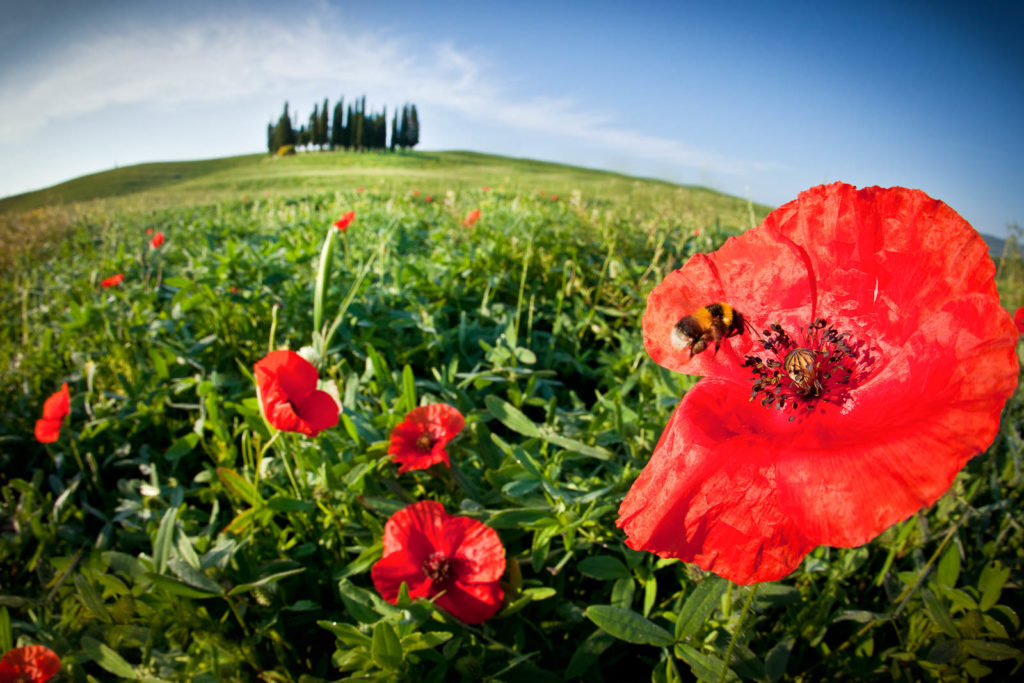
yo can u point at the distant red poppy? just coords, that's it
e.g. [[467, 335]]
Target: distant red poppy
[[415, 193], [456, 560], [157, 240], [429, 198], [288, 394], [345, 220], [149, 231], [471, 217], [113, 280], [360, 190], [55, 409], [418, 441], [1018, 317], [487, 188], [874, 362], [554, 197], [29, 664]]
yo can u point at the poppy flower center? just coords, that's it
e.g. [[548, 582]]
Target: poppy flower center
[[801, 374], [438, 568], [426, 442]]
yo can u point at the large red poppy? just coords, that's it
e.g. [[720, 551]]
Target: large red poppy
[[419, 441], [1018, 318], [456, 559], [29, 664], [157, 240], [288, 394], [55, 409], [874, 363], [471, 218]]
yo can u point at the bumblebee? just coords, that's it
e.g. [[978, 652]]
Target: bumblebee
[[712, 323]]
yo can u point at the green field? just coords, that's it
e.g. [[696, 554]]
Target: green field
[[169, 535]]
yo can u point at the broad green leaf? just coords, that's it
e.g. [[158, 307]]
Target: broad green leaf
[[948, 569], [91, 599], [176, 587], [625, 624], [346, 633], [777, 660], [386, 649], [705, 667], [516, 517], [273, 578], [587, 654], [424, 641], [700, 604], [991, 582], [511, 416], [285, 504], [194, 577], [408, 388], [939, 614], [238, 485], [604, 567], [164, 539], [182, 447], [990, 651], [107, 658]]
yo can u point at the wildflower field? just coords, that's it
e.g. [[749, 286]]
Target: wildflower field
[[199, 510]]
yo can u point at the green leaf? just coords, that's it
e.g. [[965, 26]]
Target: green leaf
[[991, 582], [424, 641], [176, 587], [107, 658], [346, 633], [386, 648], [182, 447], [586, 655], [704, 667], [238, 485], [164, 539], [6, 637], [625, 624], [273, 578], [939, 614], [700, 604], [948, 569], [195, 578], [576, 446], [511, 416], [604, 567], [989, 651], [285, 504], [516, 517], [91, 599], [322, 275], [408, 388], [778, 658]]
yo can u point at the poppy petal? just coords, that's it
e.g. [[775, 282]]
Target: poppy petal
[[476, 547], [472, 603], [47, 431], [33, 663], [58, 404]]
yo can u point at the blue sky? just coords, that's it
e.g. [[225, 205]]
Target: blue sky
[[758, 99]]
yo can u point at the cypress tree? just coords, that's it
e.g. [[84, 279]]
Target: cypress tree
[[394, 131], [284, 134], [321, 126], [337, 131], [270, 138], [414, 126], [403, 132]]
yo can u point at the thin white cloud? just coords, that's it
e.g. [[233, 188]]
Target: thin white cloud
[[223, 59]]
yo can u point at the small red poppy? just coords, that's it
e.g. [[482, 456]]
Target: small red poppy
[[418, 441], [554, 197], [113, 280], [429, 198], [471, 217], [288, 394], [1018, 317], [346, 220], [415, 193], [456, 560], [55, 409], [874, 362], [149, 231], [360, 190], [487, 188], [29, 664], [157, 240]]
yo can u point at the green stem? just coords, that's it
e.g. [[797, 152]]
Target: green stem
[[736, 633]]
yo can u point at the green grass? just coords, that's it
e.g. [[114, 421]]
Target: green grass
[[163, 538]]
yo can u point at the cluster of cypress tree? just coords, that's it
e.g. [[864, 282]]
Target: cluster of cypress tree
[[350, 128]]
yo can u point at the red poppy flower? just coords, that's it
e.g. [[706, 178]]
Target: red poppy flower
[[1018, 318], [429, 198], [346, 219], [873, 363], [360, 190], [113, 280], [29, 664], [487, 188], [149, 231], [288, 394], [419, 441], [471, 217], [415, 193], [157, 240], [554, 197], [458, 560], [55, 409]]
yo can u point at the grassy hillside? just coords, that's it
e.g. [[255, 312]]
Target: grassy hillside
[[36, 220]]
